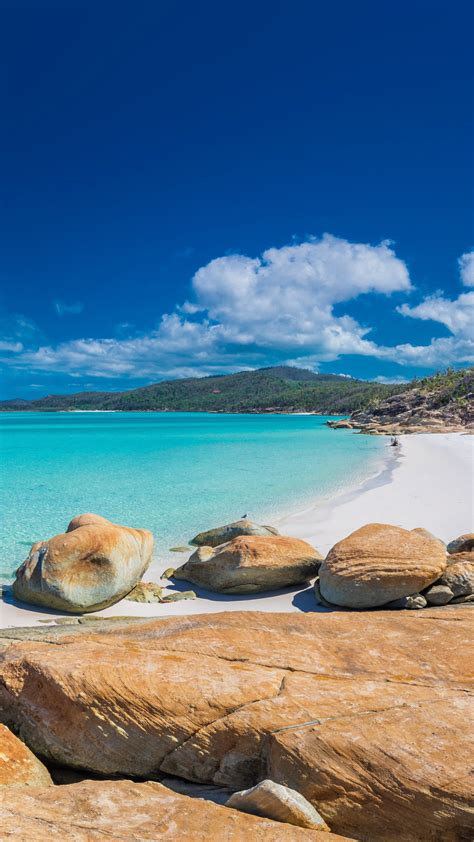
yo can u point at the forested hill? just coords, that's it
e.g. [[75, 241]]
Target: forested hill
[[283, 389]]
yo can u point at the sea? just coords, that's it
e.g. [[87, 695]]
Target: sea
[[174, 473]]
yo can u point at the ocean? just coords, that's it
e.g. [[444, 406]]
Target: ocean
[[173, 473]]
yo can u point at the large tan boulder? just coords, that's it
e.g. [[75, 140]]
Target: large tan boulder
[[134, 812], [18, 765], [378, 564], [90, 566], [363, 714], [251, 564], [223, 534]]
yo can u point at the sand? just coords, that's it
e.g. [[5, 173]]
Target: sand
[[428, 481]]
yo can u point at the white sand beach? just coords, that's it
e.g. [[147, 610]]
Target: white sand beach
[[428, 481]]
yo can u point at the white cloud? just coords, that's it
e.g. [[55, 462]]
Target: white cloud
[[457, 315], [246, 312], [64, 309], [466, 268], [389, 380], [13, 347]]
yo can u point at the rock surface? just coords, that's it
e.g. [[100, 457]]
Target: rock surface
[[411, 603], [463, 544], [380, 563], [223, 534], [146, 592], [132, 812], [277, 802], [438, 595], [459, 575], [363, 714], [18, 765], [90, 566], [251, 564]]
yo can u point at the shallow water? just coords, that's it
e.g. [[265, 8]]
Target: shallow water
[[174, 473]]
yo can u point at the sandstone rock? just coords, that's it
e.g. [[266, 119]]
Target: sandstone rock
[[92, 565], [438, 595], [251, 564], [146, 592], [223, 534], [412, 602], [18, 765], [319, 597], [168, 573], [464, 543], [459, 576], [363, 714], [179, 549], [378, 564], [92, 811], [277, 802]]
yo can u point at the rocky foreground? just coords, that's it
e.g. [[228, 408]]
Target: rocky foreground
[[365, 715]]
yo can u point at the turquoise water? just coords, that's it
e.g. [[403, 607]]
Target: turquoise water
[[174, 473]]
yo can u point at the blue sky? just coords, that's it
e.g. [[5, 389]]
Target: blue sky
[[200, 188]]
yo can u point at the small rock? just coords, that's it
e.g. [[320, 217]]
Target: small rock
[[280, 803], [180, 549], [168, 573], [462, 544], [145, 592], [460, 599], [175, 597], [416, 600], [438, 595]]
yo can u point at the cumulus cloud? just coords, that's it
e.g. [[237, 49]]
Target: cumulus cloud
[[457, 315], [64, 309], [280, 307], [244, 310], [466, 268]]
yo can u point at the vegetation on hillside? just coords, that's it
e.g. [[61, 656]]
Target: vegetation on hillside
[[279, 389]]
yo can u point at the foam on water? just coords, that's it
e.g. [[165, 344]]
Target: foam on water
[[174, 473]]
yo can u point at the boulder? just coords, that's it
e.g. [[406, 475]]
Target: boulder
[[465, 543], [251, 564], [277, 802], [90, 566], [459, 575], [18, 765], [223, 534], [378, 564], [363, 714], [438, 595], [92, 811]]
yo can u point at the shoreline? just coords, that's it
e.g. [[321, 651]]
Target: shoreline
[[426, 483]]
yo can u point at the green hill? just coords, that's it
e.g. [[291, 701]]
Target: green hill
[[279, 389]]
